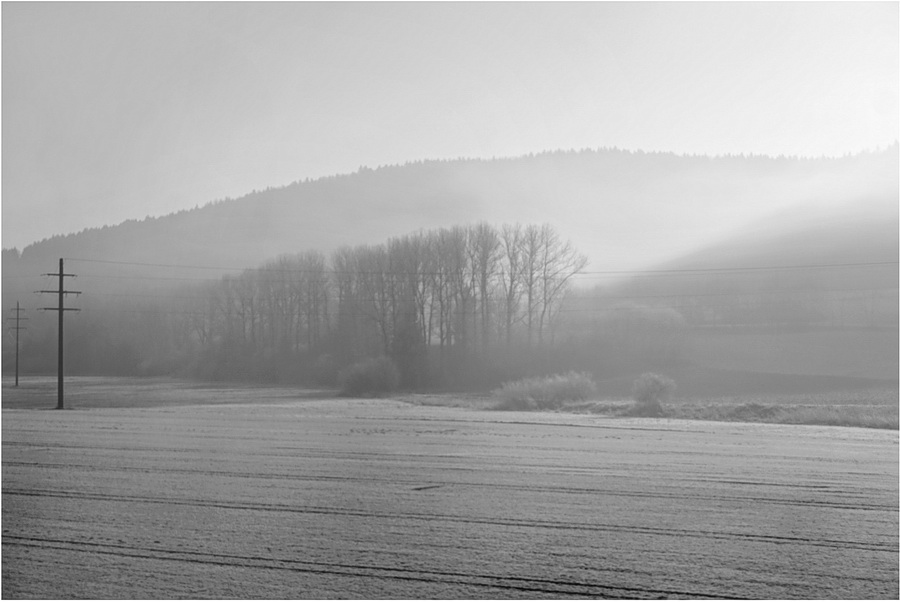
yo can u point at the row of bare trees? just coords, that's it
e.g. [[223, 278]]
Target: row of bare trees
[[280, 305], [460, 291]]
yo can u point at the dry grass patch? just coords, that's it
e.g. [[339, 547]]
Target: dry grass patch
[[878, 408], [549, 392]]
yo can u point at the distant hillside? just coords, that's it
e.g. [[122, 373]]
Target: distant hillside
[[624, 210], [812, 266], [853, 246], [866, 229], [802, 301]]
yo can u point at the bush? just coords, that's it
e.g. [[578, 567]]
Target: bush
[[649, 391], [545, 393], [373, 376]]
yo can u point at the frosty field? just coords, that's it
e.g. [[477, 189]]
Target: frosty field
[[264, 493]]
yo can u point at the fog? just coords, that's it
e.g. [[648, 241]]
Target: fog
[[116, 112], [469, 307], [450, 299], [330, 192]]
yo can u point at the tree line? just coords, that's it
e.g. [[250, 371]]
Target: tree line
[[460, 307], [433, 301]]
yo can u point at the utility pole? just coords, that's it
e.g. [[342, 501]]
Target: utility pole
[[61, 309], [17, 328]]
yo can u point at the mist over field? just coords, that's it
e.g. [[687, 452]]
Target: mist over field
[[374, 300], [436, 266]]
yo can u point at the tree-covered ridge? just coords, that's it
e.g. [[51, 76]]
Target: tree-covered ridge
[[403, 262], [589, 194]]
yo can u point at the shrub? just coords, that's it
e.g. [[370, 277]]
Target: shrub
[[753, 411], [373, 376], [547, 392], [649, 391]]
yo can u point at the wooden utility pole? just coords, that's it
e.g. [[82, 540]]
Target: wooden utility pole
[[17, 328], [61, 309]]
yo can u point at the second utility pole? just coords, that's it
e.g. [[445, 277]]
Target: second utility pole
[[17, 329], [61, 309]]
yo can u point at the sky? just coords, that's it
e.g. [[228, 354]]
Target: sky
[[114, 111]]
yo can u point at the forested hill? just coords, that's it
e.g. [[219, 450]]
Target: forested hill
[[623, 209], [152, 305]]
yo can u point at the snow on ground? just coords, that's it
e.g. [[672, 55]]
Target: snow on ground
[[279, 497]]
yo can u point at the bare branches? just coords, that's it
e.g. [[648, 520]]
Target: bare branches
[[462, 289]]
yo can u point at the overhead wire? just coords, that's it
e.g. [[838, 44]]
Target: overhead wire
[[601, 299], [331, 271]]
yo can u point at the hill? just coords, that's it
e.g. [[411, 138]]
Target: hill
[[859, 230], [725, 297], [802, 301], [810, 248], [624, 210]]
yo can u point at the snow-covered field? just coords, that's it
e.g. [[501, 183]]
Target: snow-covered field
[[281, 497]]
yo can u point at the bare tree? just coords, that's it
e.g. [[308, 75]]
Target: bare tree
[[532, 256], [511, 274], [485, 253], [460, 288], [559, 263]]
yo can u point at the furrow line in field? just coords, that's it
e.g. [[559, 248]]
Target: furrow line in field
[[504, 521], [511, 582], [824, 487], [131, 448], [416, 485], [300, 452], [667, 428]]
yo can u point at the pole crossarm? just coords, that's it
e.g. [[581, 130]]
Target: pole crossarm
[[63, 275]]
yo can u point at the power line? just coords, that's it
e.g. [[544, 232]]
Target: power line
[[148, 295], [751, 268], [759, 301], [123, 277], [330, 271], [156, 265], [755, 293]]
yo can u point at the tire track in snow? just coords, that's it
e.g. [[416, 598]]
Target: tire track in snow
[[505, 522], [524, 584], [208, 503], [416, 484]]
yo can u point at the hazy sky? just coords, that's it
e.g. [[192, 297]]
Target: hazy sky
[[114, 111]]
